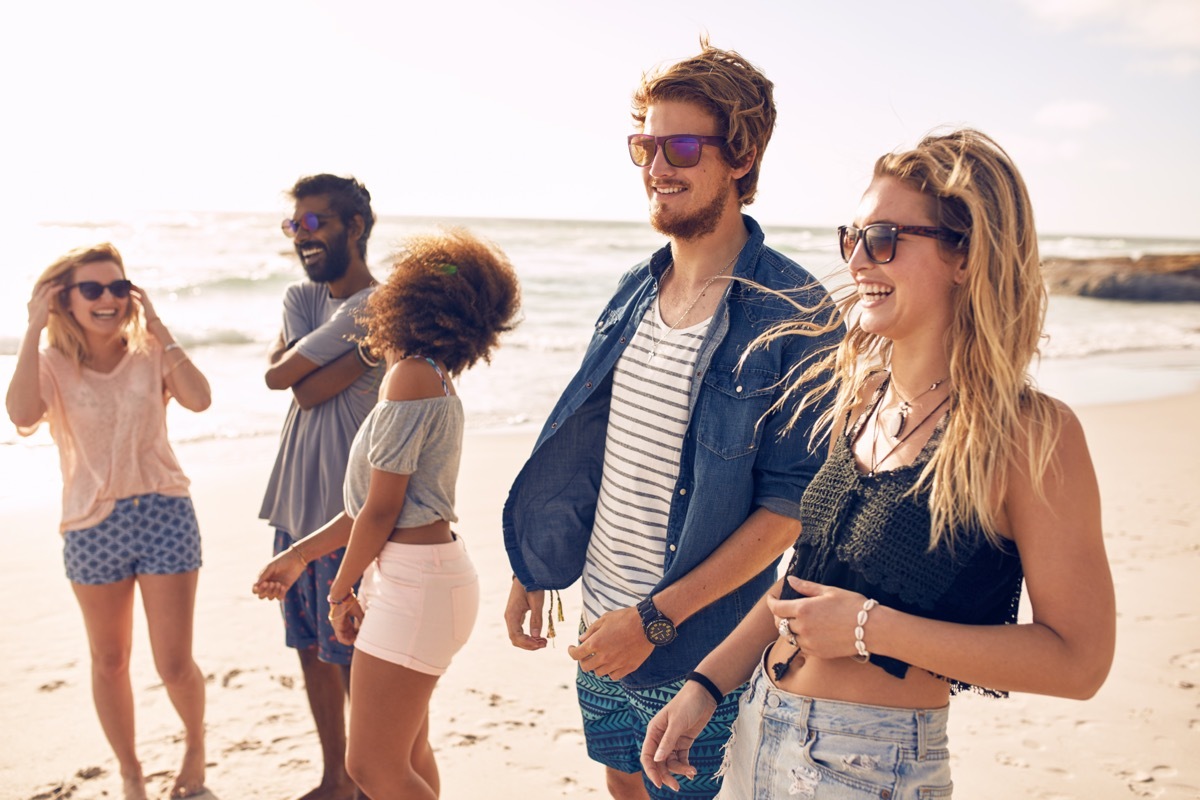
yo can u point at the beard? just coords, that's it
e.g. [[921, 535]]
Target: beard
[[701, 222], [335, 263]]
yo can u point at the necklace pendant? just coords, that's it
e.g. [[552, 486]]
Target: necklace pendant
[[901, 420]]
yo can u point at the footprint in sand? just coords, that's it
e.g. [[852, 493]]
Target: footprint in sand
[[1149, 783], [1189, 660], [59, 791], [51, 686]]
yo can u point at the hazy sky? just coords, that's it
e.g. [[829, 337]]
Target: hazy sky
[[518, 108]]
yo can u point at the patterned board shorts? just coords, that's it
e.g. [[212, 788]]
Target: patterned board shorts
[[614, 725], [305, 607], [149, 534]]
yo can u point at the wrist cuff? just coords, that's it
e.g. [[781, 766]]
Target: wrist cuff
[[706, 682]]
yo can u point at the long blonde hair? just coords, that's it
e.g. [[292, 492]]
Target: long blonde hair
[[997, 418], [63, 331]]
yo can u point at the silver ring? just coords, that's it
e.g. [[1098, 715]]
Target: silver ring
[[589, 655], [786, 630]]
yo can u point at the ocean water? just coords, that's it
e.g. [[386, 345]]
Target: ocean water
[[217, 280]]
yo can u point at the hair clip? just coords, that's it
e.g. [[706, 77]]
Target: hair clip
[[449, 269]]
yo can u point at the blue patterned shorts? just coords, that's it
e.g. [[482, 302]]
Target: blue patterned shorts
[[614, 724], [149, 534], [305, 607]]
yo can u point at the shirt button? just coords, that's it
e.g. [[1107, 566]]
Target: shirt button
[[672, 548], [588, 385], [553, 425], [683, 491], [622, 340], [738, 390]]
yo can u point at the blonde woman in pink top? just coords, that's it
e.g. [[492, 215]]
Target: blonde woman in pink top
[[102, 384]]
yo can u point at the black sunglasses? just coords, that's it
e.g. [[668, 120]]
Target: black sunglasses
[[681, 149], [310, 222], [91, 290], [879, 239]]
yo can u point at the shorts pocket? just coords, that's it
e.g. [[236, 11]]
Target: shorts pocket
[[935, 792], [860, 763]]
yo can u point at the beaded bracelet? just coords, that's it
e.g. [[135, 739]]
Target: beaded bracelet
[[863, 656], [366, 358], [349, 596]]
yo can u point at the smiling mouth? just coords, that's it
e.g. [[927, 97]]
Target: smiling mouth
[[675, 189], [310, 252], [874, 291], [106, 314]]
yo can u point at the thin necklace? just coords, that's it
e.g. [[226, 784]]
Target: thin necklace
[[906, 406], [875, 436], [671, 328]]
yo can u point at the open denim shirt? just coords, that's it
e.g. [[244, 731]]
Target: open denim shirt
[[731, 462]]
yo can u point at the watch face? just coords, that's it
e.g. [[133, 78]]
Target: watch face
[[660, 631]]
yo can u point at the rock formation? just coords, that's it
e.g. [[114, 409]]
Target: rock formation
[[1156, 277]]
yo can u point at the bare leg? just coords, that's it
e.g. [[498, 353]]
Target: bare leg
[[169, 601], [387, 727], [422, 758], [326, 686], [625, 785], [108, 618]]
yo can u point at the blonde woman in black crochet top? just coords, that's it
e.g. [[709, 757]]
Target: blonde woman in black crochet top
[[949, 480]]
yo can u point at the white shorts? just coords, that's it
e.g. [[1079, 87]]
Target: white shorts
[[420, 602]]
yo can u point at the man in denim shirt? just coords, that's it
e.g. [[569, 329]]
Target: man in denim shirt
[[657, 479]]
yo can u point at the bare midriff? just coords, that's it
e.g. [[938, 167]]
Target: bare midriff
[[434, 533], [853, 682]]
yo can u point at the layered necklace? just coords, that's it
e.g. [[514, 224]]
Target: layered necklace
[[906, 408], [657, 340], [900, 439]]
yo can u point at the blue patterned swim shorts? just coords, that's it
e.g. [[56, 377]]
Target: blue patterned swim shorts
[[614, 724], [305, 607], [149, 534]]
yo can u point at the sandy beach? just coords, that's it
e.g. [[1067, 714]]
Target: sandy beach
[[504, 722]]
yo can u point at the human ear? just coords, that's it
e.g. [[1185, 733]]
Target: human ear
[[740, 170]]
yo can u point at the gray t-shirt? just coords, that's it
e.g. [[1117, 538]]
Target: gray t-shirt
[[418, 438], [305, 488]]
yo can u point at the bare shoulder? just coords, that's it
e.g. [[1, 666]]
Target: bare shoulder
[[415, 379]]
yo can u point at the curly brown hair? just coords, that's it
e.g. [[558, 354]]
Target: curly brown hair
[[449, 297]]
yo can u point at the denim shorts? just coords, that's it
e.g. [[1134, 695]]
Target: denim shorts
[[614, 725], [150, 534], [420, 602], [305, 607], [786, 745]]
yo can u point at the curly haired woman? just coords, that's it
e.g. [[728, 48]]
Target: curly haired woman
[[448, 299]]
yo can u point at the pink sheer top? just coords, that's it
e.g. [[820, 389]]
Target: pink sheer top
[[111, 432]]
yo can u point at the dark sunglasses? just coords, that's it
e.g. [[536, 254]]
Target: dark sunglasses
[[91, 290], [681, 149], [310, 222], [879, 239]]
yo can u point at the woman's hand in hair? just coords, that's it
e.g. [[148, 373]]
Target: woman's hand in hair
[[41, 302]]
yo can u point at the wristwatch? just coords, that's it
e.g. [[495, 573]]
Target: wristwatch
[[659, 630]]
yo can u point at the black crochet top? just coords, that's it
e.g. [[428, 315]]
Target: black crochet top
[[863, 534]]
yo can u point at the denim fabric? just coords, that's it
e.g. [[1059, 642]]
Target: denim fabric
[[786, 745], [731, 463]]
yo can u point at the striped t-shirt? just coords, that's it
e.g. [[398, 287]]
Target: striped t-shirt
[[647, 418]]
